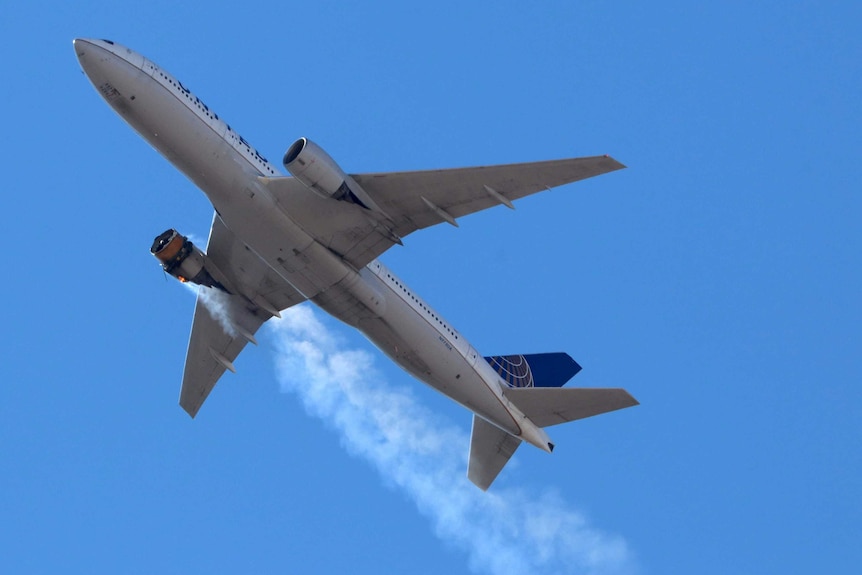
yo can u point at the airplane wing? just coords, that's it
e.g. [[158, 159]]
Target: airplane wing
[[224, 323], [410, 198], [410, 201]]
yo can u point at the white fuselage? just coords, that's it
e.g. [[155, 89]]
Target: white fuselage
[[227, 168]]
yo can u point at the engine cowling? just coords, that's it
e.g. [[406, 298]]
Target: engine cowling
[[308, 163], [183, 260]]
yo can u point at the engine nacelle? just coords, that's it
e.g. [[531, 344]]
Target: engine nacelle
[[183, 260], [308, 163]]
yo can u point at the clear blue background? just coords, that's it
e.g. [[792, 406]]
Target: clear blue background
[[717, 278]]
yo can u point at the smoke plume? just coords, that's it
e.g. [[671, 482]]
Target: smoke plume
[[217, 303], [503, 531]]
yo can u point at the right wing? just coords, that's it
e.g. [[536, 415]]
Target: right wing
[[224, 323], [405, 196], [409, 201]]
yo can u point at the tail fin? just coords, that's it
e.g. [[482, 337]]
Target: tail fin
[[535, 369], [490, 449], [551, 406]]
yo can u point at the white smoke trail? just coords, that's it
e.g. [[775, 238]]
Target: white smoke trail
[[216, 303], [503, 531]]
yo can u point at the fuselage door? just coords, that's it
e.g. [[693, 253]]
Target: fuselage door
[[472, 356], [150, 68]]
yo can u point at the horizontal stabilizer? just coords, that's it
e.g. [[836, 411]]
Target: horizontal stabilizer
[[551, 406], [490, 449], [535, 369]]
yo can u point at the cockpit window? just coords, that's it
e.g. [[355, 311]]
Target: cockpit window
[[107, 41]]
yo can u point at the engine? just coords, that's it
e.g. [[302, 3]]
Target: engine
[[308, 163], [183, 260]]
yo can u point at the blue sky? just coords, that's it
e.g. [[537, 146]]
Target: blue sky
[[717, 278]]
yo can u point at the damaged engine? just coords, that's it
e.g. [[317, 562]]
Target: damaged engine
[[183, 260]]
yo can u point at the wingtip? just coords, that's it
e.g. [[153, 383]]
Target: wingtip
[[478, 483], [191, 411], [618, 165]]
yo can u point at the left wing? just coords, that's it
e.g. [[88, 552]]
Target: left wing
[[408, 201], [224, 323]]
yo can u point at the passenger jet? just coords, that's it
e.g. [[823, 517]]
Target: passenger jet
[[278, 240]]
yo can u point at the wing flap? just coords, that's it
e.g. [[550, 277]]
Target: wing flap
[[490, 450], [547, 406]]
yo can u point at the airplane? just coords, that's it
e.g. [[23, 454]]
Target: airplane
[[277, 241]]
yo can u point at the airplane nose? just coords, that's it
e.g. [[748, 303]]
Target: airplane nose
[[82, 47], [94, 55], [97, 63], [105, 50]]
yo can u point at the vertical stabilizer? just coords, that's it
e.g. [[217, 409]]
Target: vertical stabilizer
[[534, 369]]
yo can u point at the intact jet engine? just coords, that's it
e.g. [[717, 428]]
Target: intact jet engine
[[311, 165], [183, 260], [316, 170], [308, 163]]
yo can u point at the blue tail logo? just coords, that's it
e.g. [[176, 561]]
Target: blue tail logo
[[535, 370]]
